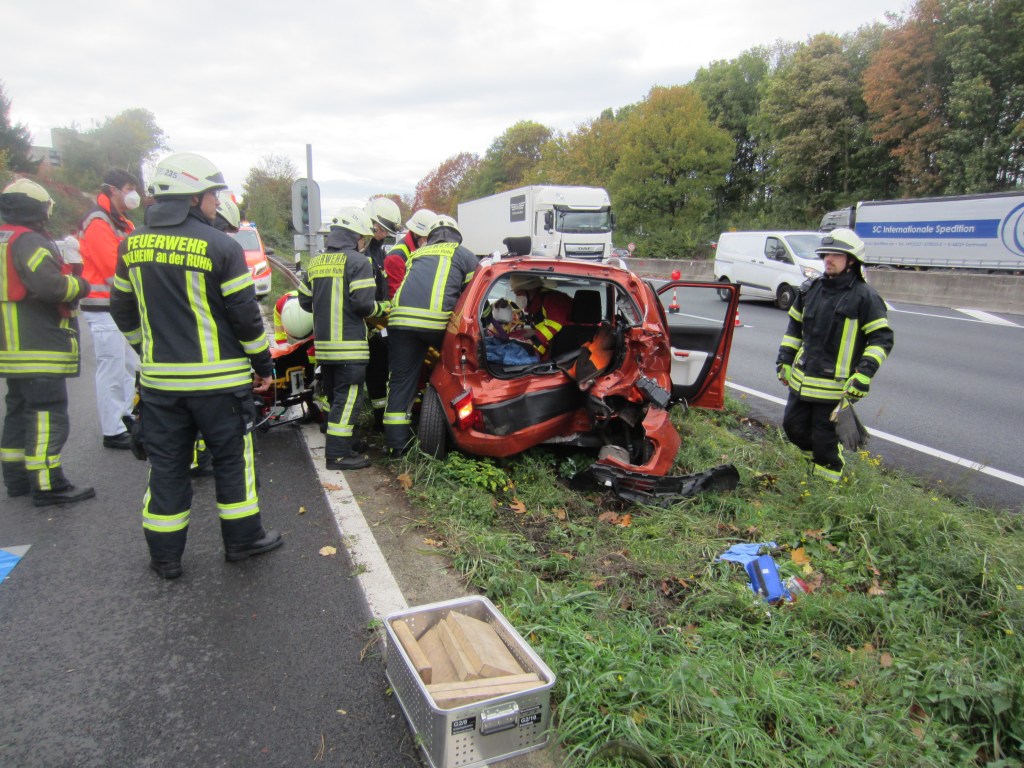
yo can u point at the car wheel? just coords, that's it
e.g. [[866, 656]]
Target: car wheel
[[785, 296], [724, 295], [433, 426]]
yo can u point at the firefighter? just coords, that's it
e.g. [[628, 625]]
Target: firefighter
[[838, 336], [436, 275], [417, 228], [339, 289], [38, 348], [102, 230], [185, 299], [545, 312], [385, 215]]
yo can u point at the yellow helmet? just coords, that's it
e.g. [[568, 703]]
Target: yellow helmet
[[420, 222], [26, 200], [842, 240], [355, 220], [384, 211], [228, 210]]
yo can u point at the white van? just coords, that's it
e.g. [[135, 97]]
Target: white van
[[768, 265]]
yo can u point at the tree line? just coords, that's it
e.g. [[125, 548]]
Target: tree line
[[930, 103]]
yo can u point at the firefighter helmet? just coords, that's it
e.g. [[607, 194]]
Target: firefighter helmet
[[25, 201], [186, 174], [227, 209], [842, 241], [420, 222], [384, 212], [355, 220], [297, 322], [445, 221]]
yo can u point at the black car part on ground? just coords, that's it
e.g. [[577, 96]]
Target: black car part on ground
[[657, 491]]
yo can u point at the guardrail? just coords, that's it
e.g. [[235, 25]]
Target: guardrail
[[991, 293]]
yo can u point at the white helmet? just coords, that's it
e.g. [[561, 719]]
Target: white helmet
[[445, 221], [842, 240], [186, 174], [420, 222], [384, 211], [297, 322], [228, 210], [355, 220]]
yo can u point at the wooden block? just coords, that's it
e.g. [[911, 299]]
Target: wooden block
[[482, 646], [483, 682], [459, 697], [465, 668], [419, 659], [442, 669]]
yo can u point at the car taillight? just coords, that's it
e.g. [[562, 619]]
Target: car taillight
[[466, 416]]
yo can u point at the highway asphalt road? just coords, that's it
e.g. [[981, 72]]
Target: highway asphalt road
[[234, 664], [950, 390]]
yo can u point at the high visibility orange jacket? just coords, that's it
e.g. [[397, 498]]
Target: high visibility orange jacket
[[102, 232]]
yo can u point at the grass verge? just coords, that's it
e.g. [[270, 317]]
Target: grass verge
[[907, 652]]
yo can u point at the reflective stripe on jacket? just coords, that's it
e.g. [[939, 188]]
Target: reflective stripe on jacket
[[837, 327], [339, 290], [38, 330], [435, 276], [184, 298]]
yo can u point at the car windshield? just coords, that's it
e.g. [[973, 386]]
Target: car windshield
[[583, 221], [804, 245], [248, 239]]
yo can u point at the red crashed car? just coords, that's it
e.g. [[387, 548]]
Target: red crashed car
[[628, 352]]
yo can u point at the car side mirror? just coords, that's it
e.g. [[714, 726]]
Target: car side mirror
[[269, 251], [549, 221]]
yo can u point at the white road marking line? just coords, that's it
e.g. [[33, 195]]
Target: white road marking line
[[994, 321], [986, 317], [934, 452], [378, 583]]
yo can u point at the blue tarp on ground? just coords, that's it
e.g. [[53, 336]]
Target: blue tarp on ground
[[9, 557], [744, 553]]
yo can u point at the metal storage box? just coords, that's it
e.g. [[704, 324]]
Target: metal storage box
[[482, 732]]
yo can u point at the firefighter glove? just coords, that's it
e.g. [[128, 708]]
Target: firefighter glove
[[784, 372], [857, 386]]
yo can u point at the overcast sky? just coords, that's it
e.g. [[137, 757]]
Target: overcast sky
[[384, 91]]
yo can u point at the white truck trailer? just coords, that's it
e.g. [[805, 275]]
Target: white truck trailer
[[976, 232], [562, 222]]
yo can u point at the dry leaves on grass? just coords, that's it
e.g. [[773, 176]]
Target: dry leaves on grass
[[405, 480], [331, 486], [517, 506], [302, 510], [623, 521], [559, 513], [328, 551]]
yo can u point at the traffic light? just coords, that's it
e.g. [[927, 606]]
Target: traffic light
[[305, 205]]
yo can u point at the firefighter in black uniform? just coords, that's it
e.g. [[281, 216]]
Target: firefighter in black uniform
[[434, 279], [385, 216], [38, 348], [339, 290], [183, 296], [838, 336]]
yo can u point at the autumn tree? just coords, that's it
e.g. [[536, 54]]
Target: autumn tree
[[129, 140], [439, 190], [268, 197], [15, 140], [822, 150], [732, 90], [587, 156], [507, 161], [673, 159]]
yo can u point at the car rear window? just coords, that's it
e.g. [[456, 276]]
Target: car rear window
[[248, 239]]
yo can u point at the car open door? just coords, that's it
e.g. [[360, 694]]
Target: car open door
[[700, 325]]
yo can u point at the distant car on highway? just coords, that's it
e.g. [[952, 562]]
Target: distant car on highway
[[255, 256], [619, 253]]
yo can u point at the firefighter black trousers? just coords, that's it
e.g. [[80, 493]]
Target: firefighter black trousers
[[36, 427], [343, 384], [809, 427], [377, 375], [169, 426], [407, 347]]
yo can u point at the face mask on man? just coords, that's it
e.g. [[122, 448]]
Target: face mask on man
[[132, 200]]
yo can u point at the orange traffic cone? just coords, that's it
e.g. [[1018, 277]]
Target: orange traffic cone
[[738, 324], [673, 308]]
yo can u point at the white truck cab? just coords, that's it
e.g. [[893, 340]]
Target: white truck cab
[[767, 265]]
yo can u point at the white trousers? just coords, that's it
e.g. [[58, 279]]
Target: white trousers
[[116, 364]]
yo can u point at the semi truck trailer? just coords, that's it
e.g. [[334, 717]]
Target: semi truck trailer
[[968, 232], [562, 222]]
